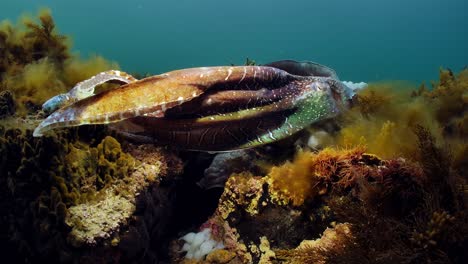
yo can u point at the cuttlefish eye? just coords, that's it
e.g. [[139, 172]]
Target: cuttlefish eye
[[318, 86], [340, 92]]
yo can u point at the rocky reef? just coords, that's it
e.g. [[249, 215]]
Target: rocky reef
[[386, 182], [340, 207], [67, 199], [79, 195]]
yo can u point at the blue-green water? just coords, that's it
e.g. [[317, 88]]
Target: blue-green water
[[364, 40]]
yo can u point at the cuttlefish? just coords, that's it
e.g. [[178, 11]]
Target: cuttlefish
[[206, 108]]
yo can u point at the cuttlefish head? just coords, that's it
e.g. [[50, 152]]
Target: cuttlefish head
[[321, 79], [326, 91], [341, 93]]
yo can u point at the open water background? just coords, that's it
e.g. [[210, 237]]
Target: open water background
[[363, 40]]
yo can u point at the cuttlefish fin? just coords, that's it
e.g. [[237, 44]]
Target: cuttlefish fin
[[304, 68], [86, 89]]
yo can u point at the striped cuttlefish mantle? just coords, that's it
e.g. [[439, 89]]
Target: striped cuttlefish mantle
[[207, 108]]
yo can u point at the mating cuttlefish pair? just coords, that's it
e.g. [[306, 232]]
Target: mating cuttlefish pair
[[208, 108]]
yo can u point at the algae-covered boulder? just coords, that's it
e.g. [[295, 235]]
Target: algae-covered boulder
[[70, 201], [335, 206]]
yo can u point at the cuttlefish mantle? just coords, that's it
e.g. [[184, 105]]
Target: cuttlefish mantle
[[207, 108]]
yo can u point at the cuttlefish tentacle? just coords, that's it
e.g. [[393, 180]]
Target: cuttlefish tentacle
[[154, 95], [85, 89]]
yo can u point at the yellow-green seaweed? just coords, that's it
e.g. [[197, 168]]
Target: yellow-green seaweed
[[36, 63], [386, 115]]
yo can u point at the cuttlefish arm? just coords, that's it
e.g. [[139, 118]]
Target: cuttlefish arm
[[154, 95], [85, 89]]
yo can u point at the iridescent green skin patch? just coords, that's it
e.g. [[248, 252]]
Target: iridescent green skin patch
[[213, 108]]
